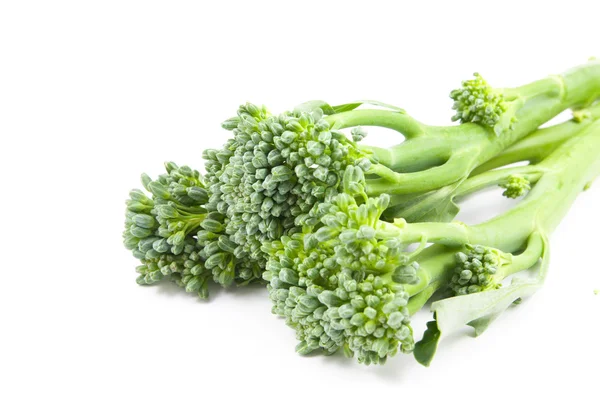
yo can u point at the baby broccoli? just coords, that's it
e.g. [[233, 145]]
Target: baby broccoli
[[352, 281], [268, 180], [277, 168], [174, 235], [352, 240]]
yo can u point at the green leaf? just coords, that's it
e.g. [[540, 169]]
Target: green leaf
[[425, 348], [382, 105], [456, 312], [312, 105], [327, 109], [346, 107], [436, 206], [356, 104], [479, 310], [481, 324]]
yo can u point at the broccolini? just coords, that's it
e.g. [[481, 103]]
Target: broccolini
[[269, 180], [352, 282], [276, 169]]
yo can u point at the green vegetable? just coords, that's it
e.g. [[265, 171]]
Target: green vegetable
[[352, 281], [270, 178], [174, 235], [274, 172], [352, 240], [440, 205]]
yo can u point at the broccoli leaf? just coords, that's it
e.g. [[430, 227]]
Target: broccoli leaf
[[425, 349], [435, 206], [478, 310], [481, 324], [327, 109]]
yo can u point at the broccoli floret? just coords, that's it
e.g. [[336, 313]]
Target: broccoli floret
[[186, 269], [341, 286], [358, 133], [476, 269], [179, 199], [516, 186], [497, 109], [476, 101], [480, 268], [349, 282], [174, 235], [159, 230], [268, 177]]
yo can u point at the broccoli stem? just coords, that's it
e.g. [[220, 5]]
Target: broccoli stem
[[419, 300], [528, 258], [541, 143], [570, 168], [458, 166], [433, 270], [494, 178], [413, 155], [470, 144], [535, 147], [433, 232], [398, 121], [382, 155]]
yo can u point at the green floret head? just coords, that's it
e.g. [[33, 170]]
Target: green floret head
[[222, 255], [476, 101], [477, 269], [185, 269], [268, 177], [358, 133], [340, 286], [159, 230], [184, 185], [516, 186], [180, 198], [581, 115], [174, 234]]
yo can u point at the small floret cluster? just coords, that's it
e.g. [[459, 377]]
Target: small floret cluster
[[160, 230], [222, 256], [516, 186], [267, 178], [476, 101], [340, 286], [476, 269]]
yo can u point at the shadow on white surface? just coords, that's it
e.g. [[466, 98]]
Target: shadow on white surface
[[170, 289]]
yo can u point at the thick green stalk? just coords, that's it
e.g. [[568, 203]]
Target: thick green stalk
[[459, 149], [566, 173], [440, 204], [395, 120], [458, 166], [453, 233], [523, 261], [419, 300], [541, 143], [433, 269]]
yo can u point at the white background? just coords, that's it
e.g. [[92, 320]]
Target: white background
[[92, 93]]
